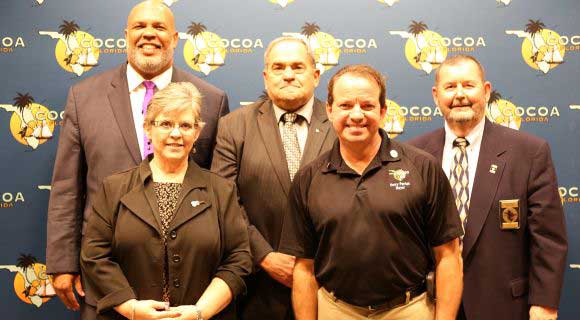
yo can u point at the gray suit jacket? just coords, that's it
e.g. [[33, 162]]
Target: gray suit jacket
[[505, 271], [249, 151], [97, 139]]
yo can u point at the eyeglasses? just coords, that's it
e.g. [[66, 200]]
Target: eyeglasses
[[166, 126]]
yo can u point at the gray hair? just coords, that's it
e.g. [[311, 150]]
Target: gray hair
[[457, 59], [276, 41], [176, 96]]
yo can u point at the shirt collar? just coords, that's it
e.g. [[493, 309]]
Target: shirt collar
[[474, 137], [388, 151], [305, 111], [135, 80]]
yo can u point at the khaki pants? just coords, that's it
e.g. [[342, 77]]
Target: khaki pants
[[331, 308]]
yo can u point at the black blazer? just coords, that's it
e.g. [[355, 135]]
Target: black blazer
[[122, 250]]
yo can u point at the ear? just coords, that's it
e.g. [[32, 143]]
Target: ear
[[434, 93], [329, 111], [316, 77], [175, 40], [487, 89]]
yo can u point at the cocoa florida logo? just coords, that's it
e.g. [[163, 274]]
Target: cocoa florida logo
[[31, 283], [323, 45], [31, 124], [205, 51], [70, 54], [544, 49], [507, 114], [425, 50], [394, 121]]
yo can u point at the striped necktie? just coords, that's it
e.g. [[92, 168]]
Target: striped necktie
[[459, 178]]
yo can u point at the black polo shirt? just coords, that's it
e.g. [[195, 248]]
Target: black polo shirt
[[370, 235]]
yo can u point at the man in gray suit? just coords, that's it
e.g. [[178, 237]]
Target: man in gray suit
[[261, 146], [102, 133]]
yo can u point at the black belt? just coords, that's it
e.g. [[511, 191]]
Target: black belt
[[400, 300]]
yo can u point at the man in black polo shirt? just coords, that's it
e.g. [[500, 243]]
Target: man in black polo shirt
[[366, 215]]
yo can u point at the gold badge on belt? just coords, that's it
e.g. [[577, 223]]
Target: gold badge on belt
[[509, 214]]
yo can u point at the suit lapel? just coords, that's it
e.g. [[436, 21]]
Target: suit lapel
[[436, 144], [120, 104], [271, 136], [142, 202], [485, 185], [317, 133], [190, 203]]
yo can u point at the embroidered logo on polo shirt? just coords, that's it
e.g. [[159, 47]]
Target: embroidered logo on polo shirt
[[400, 176]]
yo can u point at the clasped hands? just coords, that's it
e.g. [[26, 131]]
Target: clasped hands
[[151, 309]]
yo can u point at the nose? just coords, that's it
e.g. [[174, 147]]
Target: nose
[[175, 132], [288, 73], [460, 93], [356, 114]]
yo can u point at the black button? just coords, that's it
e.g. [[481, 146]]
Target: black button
[[176, 258], [176, 283], [173, 234]]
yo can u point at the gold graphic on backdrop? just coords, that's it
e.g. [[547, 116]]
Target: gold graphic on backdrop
[[504, 2], [31, 283], [323, 45], [30, 124], [75, 51], [169, 2], [394, 121], [502, 112], [541, 48], [282, 3], [389, 3], [204, 51], [424, 48]]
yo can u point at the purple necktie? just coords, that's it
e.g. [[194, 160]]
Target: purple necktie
[[150, 89]]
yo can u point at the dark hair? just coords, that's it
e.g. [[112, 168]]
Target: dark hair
[[364, 70]]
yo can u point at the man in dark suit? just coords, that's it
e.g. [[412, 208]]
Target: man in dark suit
[[515, 243], [103, 134], [261, 146]]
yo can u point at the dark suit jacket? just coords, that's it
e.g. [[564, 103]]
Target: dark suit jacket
[[505, 271], [97, 139], [249, 151], [122, 250]]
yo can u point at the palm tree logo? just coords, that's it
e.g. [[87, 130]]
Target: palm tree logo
[[31, 284], [75, 50], [29, 123], [323, 45], [394, 121], [389, 3], [204, 51], [502, 112], [282, 3], [424, 48], [541, 48]]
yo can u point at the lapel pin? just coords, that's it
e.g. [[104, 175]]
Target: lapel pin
[[493, 168], [394, 153], [195, 203]]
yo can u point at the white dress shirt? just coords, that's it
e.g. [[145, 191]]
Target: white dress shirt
[[137, 94], [474, 139], [301, 126]]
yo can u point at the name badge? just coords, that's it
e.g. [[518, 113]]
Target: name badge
[[509, 214]]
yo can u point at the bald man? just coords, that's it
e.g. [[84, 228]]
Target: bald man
[[102, 133]]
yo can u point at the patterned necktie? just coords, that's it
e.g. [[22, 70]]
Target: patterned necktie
[[459, 178], [149, 90], [290, 142]]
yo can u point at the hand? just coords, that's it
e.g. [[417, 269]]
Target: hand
[[146, 310], [543, 313], [187, 312], [280, 267], [63, 286]]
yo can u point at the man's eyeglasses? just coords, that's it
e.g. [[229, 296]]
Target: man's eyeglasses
[[167, 126]]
